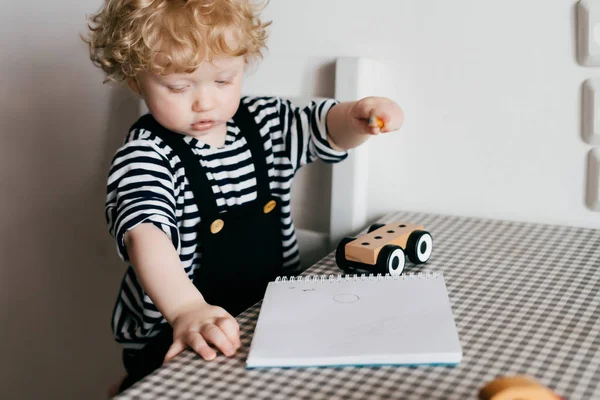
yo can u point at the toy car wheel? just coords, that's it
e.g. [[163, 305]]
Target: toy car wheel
[[419, 247], [391, 260], [340, 255], [374, 227]]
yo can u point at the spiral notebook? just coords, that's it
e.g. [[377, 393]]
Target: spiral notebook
[[355, 320]]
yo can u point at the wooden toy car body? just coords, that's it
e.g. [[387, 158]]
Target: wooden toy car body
[[383, 248]]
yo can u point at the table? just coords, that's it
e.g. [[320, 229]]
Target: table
[[525, 297]]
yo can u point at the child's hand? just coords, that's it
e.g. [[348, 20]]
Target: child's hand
[[373, 115], [201, 324]]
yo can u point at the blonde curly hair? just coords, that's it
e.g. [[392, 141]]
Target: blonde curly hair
[[162, 36]]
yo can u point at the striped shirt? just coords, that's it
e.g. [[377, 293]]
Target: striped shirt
[[147, 183]]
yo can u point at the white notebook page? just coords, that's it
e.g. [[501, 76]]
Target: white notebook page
[[368, 321]]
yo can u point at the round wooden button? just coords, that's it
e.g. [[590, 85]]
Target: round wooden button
[[269, 206], [216, 226]]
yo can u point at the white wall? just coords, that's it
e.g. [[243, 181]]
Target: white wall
[[491, 92], [493, 116]]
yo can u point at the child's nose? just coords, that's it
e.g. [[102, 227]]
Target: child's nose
[[203, 102]]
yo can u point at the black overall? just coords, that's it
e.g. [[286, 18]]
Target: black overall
[[241, 248]]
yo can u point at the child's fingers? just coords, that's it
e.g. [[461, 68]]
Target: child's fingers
[[213, 334], [364, 108], [374, 124], [373, 130], [231, 328], [395, 123], [177, 347], [378, 115], [199, 345]]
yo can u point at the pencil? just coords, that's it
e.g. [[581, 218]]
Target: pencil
[[375, 122]]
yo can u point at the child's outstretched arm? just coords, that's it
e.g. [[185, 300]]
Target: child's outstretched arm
[[351, 123], [195, 323]]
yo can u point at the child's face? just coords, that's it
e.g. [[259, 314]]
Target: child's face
[[197, 104]]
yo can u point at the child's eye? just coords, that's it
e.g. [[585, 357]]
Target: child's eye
[[221, 82], [177, 89]]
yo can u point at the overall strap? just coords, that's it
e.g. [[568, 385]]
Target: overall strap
[[199, 183], [249, 129]]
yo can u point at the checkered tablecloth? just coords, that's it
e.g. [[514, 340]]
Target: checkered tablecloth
[[525, 297]]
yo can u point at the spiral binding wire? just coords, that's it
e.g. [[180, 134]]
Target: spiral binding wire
[[356, 277]]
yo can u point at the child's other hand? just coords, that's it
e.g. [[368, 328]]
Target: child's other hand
[[201, 324], [365, 112]]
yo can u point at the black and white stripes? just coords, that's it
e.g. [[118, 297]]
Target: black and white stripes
[[147, 183]]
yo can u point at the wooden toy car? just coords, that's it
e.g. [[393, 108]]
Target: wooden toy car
[[383, 249], [516, 387]]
